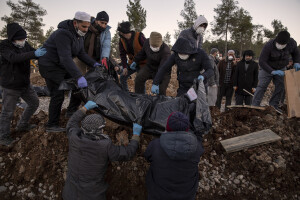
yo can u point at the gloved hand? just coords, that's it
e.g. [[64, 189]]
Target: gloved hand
[[278, 72], [40, 52], [97, 65], [297, 66], [200, 77], [133, 66], [235, 88], [90, 105], [253, 90], [155, 89], [82, 82], [104, 63], [137, 129]]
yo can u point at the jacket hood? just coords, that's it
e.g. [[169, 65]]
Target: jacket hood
[[179, 145], [184, 46], [12, 29], [67, 24], [200, 20]]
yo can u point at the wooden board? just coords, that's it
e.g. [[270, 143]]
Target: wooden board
[[292, 90], [247, 106], [249, 140]]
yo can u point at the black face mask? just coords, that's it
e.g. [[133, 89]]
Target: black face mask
[[99, 28]]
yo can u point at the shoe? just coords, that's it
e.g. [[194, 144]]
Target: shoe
[[54, 129], [6, 140], [25, 127]]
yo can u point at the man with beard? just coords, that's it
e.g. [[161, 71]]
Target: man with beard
[[245, 78]]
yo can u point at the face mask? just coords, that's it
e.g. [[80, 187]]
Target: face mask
[[154, 49], [280, 46], [183, 56], [79, 32], [19, 43], [200, 30]]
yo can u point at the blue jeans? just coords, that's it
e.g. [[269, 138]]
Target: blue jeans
[[264, 79]]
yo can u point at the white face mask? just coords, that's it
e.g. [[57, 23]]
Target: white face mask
[[19, 43], [200, 30], [280, 46], [183, 56], [230, 57], [154, 49]]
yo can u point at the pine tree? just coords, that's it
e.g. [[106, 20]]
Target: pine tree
[[167, 39], [115, 53], [277, 26], [29, 15], [189, 15], [225, 20], [136, 15]]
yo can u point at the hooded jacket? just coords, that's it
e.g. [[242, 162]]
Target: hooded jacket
[[88, 160], [245, 79], [15, 67], [272, 59], [214, 80], [62, 46], [173, 172], [190, 33]]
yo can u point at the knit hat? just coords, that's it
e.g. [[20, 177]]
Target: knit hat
[[283, 37], [102, 16], [82, 16], [92, 123], [177, 121], [231, 51], [155, 39], [20, 35], [213, 50], [184, 46], [248, 53], [124, 27]]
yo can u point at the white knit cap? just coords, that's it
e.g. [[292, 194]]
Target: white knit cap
[[83, 16], [231, 51]]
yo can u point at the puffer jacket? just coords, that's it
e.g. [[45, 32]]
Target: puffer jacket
[[62, 46], [15, 67], [173, 172], [88, 160]]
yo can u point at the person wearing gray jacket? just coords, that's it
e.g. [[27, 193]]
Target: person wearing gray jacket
[[213, 82], [90, 151], [195, 33]]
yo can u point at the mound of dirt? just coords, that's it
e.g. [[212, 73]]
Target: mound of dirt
[[35, 166]]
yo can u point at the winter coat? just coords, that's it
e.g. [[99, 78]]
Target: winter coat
[[62, 46], [173, 172], [15, 67], [187, 70], [222, 71], [88, 160], [214, 80], [245, 79], [272, 59], [131, 47], [105, 42], [154, 59]]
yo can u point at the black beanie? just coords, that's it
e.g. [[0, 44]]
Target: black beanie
[[102, 16], [248, 53], [124, 27], [283, 37], [20, 35], [177, 121]]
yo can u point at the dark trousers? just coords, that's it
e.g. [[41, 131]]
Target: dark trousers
[[9, 101], [240, 99], [144, 74], [227, 91]]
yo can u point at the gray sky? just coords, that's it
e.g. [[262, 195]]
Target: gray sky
[[162, 15]]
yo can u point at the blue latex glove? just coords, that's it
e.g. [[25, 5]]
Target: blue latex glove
[[278, 72], [137, 129], [297, 66], [90, 105], [133, 66], [97, 64], [155, 89], [82, 82], [200, 77], [40, 52]]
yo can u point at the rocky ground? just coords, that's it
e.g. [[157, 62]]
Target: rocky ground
[[35, 166]]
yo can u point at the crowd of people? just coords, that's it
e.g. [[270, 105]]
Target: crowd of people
[[85, 42]]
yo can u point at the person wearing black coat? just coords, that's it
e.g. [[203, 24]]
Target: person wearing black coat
[[190, 61], [155, 52], [16, 53], [90, 151], [173, 173], [245, 78], [57, 65]]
